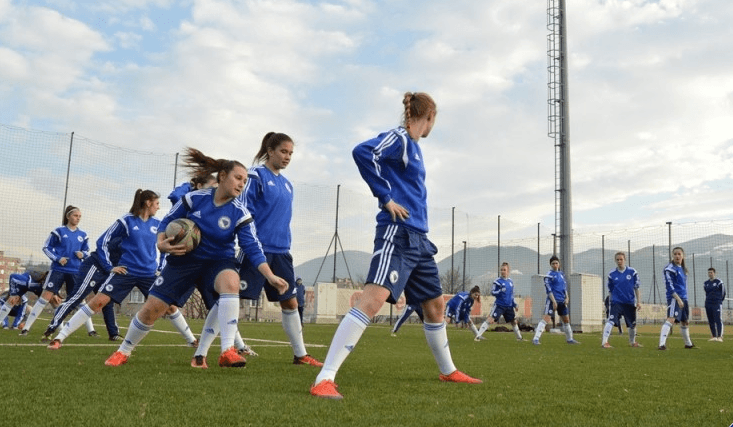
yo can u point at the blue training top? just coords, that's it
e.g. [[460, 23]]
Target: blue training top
[[714, 292], [179, 192], [64, 242], [219, 226], [393, 168], [138, 239], [555, 283], [503, 290], [269, 198], [675, 280], [621, 285]]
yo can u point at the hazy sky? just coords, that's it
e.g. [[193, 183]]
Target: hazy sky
[[651, 92]]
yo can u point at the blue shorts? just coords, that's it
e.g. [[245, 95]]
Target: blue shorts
[[500, 310], [623, 309], [119, 286], [403, 260], [56, 279], [562, 309], [183, 273], [252, 281], [673, 310]]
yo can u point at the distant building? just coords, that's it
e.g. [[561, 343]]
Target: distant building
[[8, 266]]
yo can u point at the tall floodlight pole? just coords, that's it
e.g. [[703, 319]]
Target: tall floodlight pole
[[559, 127]]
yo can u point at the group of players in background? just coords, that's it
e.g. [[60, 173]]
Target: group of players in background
[[252, 209]]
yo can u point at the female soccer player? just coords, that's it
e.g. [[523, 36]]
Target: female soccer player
[[504, 305], [675, 279], [19, 284], [222, 218], [269, 199], [557, 302], [714, 297], [136, 233], [625, 300], [66, 247], [196, 183], [458, 308], [392, 165]]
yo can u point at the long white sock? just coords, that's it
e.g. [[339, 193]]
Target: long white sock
[[568, 332], [179, 322], [294, 331], [437, 337], [135, 333], [632, 335], [35, 311], [607, 332], [82, 315], [482, 329], [685, 331], [517, 332], [473, 329], [539, 329], [5, 310], [209, 331], [90, 325], [663, 334], [344, 340], [228, 319]]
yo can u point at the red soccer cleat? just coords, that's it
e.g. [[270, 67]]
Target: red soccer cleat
[[199, 362], [231, 359], [326, 389], [118, 358], [459, 377], [306, 360]]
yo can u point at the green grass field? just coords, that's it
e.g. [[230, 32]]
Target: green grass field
[[387, 381]]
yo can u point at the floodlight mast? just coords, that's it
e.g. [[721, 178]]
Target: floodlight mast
[[559, 127]]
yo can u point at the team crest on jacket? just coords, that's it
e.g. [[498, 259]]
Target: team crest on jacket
[[154, 229], [242, 285], [394, 276], [628, 277], [108, 288], [79, 238], [224, 222]]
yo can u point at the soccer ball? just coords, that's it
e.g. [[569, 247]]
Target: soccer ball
[[184, 231]]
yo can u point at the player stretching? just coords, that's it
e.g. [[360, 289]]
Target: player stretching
[[392, 165], [623, 291], [504, 304], [557, 302]]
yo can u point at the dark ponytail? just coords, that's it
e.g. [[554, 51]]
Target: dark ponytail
[[270, 142]]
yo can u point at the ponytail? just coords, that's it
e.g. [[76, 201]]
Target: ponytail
[[270, 142], [141, 197]]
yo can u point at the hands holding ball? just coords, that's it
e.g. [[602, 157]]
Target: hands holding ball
[[181, 237]]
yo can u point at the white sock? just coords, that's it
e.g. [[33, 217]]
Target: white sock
[[82, 315], [473, 329], [437, 337], [33, 316], [632, 335], [90, 325], [135, 333], [685, 331], [294, 331], [228, 318], [517, 332], [568, 332], [239, 342], [209, 331], [539, 329], [607, 332], [484, 327], [179, 322], [5, 310], [344, 340], [663, 334]]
